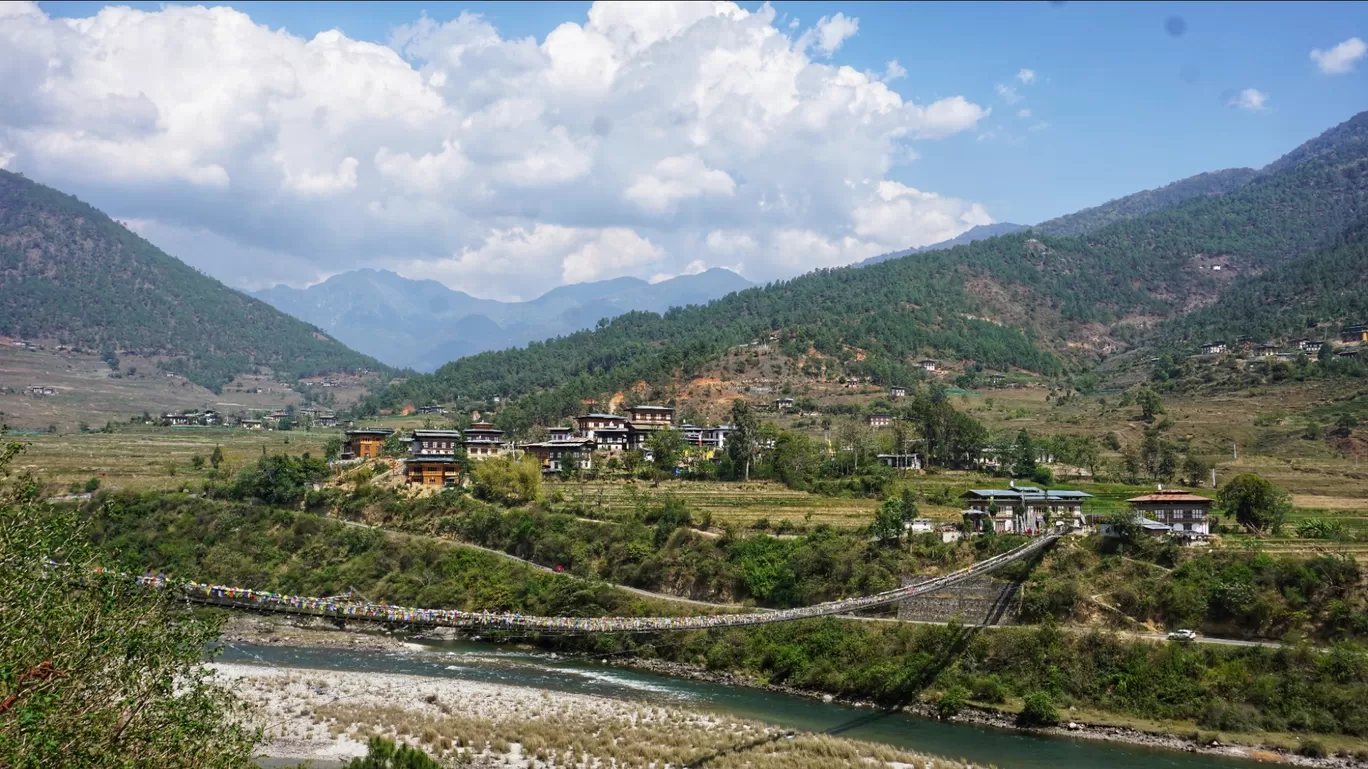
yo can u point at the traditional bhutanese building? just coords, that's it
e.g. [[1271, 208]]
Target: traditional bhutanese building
[[432, 471], [482, 441], [1185, 513], [1023, 507], [644, 420], [554, 455], [435, 442], [608, 431], [364, 444]]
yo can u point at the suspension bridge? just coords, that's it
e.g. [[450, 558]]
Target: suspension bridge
[[348, 607]]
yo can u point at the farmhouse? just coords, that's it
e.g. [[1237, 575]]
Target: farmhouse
[[1213, 348], [897, 392], [435, 442], [609, 431], [555, 455], [927, 364], [364, 444], [1310, 345], [783, 403], [878, 421], [431, 410], [483, 440], [1183, 512], [250, 424], [901, 461], [1356, 334], [644, 420], [1025, 507], [432, 471]]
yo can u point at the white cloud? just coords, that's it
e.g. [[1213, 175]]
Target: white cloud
[[831, 32], [675, 179], [1024, 113], [1040, 126], [1340, 59], [1026, 76], [1250, 99], [637, 140], [1008, 93], [616, 251], [897, 216]]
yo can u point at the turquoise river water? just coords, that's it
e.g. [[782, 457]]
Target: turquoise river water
[[489, 663]]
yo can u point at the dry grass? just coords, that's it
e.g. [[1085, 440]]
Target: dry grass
[[737, 503], [154, 458]]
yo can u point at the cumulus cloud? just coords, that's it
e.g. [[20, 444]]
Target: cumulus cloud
[[1008, 93], [642, 139], [1026, 76], [1341, 59], [1251, 99]]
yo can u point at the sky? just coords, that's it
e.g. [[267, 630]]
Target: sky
[[505, 149]]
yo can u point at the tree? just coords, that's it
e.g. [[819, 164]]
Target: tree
[[332, 448], [743, 441], [216, 458], [507, 480], [666, 447], [95, 670], [1195, 470], [393, 445], [1151, 405], [1255, 503], [1023, 456], [1038, 710], [888, 521]]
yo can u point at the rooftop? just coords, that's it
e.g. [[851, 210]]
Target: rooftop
[[437, 433], [598, 415], [1170, 495], [371, 431]]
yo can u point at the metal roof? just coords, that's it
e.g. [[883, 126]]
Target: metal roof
[[371, 431], [437, 433], [1170, 496]]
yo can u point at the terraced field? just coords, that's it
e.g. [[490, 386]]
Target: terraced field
[[741, 504]]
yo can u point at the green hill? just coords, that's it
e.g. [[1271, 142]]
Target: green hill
[[1210, 184], [69, 272], [1040, 303]]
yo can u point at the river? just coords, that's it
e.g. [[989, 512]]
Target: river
[[501, 665]]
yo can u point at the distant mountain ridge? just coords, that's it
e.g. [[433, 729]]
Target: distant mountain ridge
[[422, 324], [69, 272], [1210, 184]]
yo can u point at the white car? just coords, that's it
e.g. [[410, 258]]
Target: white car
[[1183, 635]]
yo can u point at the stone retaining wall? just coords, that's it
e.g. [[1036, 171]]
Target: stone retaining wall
[[978, 601]]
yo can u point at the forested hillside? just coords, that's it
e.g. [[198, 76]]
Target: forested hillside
[[1329, 286], [71, 273], [1205, 185], [1036, 303]]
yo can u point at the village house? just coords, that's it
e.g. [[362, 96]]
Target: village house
[[364, 444], [783, 403], [443, 443], [644, 420], [1266, 351], [432, 471], [901, 461], [431, 410], [927, 364], [177, 419], [1149, 527], [40, 390], [609, 431], [560, 433], [1312, 346], [1021, 508], [1356, 334], [897, 392], [482, 441], [878, 421], [326, 419], [250, 424], [1213, 348], [555, 455], [1186, 514]]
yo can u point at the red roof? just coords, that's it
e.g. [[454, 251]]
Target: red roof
[[1170, 496]]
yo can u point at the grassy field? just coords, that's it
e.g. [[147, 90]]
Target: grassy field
[[738, 503], [152, 457]]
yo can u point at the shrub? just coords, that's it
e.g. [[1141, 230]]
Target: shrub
[[989, 690], [1038, 711], [383, 754], [952, 702], [1312, 749]]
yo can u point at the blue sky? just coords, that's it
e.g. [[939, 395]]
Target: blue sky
[[1129, 105], [1118, 103]]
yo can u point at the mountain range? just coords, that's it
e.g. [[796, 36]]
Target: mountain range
[[422, 324], [1128, 274], [70, 273]]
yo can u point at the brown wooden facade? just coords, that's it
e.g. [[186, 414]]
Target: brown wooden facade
[[364, 444]]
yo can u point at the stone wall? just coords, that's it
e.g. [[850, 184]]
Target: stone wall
[[978, 601]]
